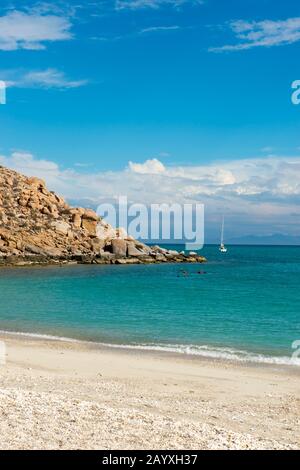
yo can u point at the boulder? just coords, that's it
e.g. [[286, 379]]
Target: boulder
[[52, 252], [143, 248], [105, 255], [75, 210], [36, 182], [45, 211], [172, 252], [89, 225], [160, 258], [23, 201], [36, 250], [90, 214], [76, 219], [132, 249], [119, 247], [121, 233], [104, 231], [100, 261], [147, 259], [127, 261], [158, 249], [61, 227], [97, 245]]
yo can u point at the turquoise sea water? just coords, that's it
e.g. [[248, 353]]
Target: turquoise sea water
[[244, 305]]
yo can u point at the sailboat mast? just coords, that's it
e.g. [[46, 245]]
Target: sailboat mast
[[222, 231]]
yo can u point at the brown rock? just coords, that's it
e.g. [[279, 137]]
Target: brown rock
[[160, 258], [61, 227], [97, 245], [132, 250], [89, 225], [144, 248], [39, 183], [90, 214], [105, 255], [23, 201], [45, 211], [76, 219], [127, 261], [53, 209], [37, 226], [119, 247], [76, 210], [34, 249], [53, 252], [147, 259]]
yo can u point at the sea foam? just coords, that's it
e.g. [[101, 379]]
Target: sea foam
[[205, 351]]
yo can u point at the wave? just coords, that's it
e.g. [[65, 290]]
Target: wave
[[40, 336], [205, 351], [212, 352]]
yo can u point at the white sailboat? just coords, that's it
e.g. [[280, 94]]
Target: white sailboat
[[222, 247]]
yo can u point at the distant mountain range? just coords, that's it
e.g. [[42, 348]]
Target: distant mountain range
[[274, 239]]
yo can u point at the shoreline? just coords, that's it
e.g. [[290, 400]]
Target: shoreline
[[67, 395], [222, 355], [17, 261]]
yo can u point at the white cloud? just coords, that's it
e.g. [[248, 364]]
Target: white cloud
[[157, 29], [31, 30], [265, 33], [272, 177], [149, 30], [154, 4], [261, 193], [24, 162], [49, 78], [149, 167], [60, 7], [275, 177]]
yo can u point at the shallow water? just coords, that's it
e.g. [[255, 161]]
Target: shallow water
[[241, 305]]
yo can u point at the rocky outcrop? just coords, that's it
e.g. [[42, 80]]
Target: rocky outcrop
[[37, 226]]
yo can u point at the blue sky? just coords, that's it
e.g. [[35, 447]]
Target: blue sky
[[197, 88]]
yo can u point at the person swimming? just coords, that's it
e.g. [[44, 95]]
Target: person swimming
[[183, 273]]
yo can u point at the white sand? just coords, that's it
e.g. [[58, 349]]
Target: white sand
[[72, 395]]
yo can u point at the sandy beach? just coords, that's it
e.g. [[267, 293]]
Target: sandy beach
[[68, 395]]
